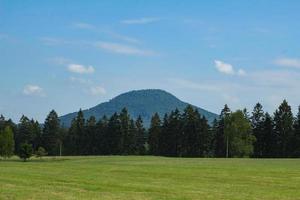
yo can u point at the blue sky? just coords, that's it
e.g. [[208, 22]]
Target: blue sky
[[66, 55]]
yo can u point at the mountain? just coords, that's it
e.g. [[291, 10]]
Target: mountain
[[138, 102]]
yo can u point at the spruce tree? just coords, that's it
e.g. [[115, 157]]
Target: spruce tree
[[154, 134], [141, 136], [283, 119], [113, 136], [257, 121], [50, 136], [296, 136], [270, 138], [191, 136], [220, 140]]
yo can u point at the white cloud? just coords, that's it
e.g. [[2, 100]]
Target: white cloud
[[288, 62], [228, 69], [123, 49], [97, 90], [144, 20], [81, 69], [224, 67], [33, 90], [80, 80]]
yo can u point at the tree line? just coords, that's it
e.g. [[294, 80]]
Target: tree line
[[177, 134]]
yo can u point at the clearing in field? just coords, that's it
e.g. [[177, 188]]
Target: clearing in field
[[154, 178]]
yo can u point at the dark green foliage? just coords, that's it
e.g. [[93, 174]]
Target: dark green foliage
[[257, 122], [296, 137], [25, 151], [219, 136], [181, 134], [140, 137], [27, 132], [7, 143], [144, 103], [283, 121], [51, 131], [154, 133], [238, 134]]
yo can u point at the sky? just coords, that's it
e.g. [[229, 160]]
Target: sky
[[67, 55]]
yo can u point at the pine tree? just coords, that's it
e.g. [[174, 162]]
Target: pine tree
[[7, 143], [171, 132], [191, 136], [257, 121], [283, 119], [128, 133], [296, 136], [51, 131], [90, 137], [220, 140], [270, 138], [25, 133], [113, 136], [154, 134], [141, 136], [206, 137], [101, 133]]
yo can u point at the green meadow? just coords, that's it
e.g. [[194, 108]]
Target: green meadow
[[133, 177]]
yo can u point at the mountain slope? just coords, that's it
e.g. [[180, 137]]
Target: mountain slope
[[139, 102]]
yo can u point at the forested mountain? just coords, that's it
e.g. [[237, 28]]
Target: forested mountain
[[140, 102]]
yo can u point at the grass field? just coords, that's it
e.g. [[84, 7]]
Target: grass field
[[130, 177]]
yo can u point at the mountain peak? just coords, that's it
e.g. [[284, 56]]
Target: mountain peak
[[144, 102]]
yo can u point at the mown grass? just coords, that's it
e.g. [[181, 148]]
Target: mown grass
[[130, 177]]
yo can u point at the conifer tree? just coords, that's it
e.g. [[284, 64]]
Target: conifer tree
[[141, 134], [7, 143], [51, 131], [283, 119], [257, 121], [154, 134]]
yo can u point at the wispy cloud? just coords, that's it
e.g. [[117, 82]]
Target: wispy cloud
[[33, 90], [123, 49], [81, 69], [139, 21], [288, 62], [110, 33], [97, 90], [228, 69], [187, 84]]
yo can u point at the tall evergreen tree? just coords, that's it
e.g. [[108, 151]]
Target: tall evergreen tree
[[7, 143], [25, 133], [257, 123], [220, 140], [128, 137], [296, 136], [270, 137], [171, 134], [283, 119], [154, 134], [50, 136], [141, 136], [113, 136], [90, 137]]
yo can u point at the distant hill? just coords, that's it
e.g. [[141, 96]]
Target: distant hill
[[139, 102]]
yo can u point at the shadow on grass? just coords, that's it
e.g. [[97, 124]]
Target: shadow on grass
[[35, 160]]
